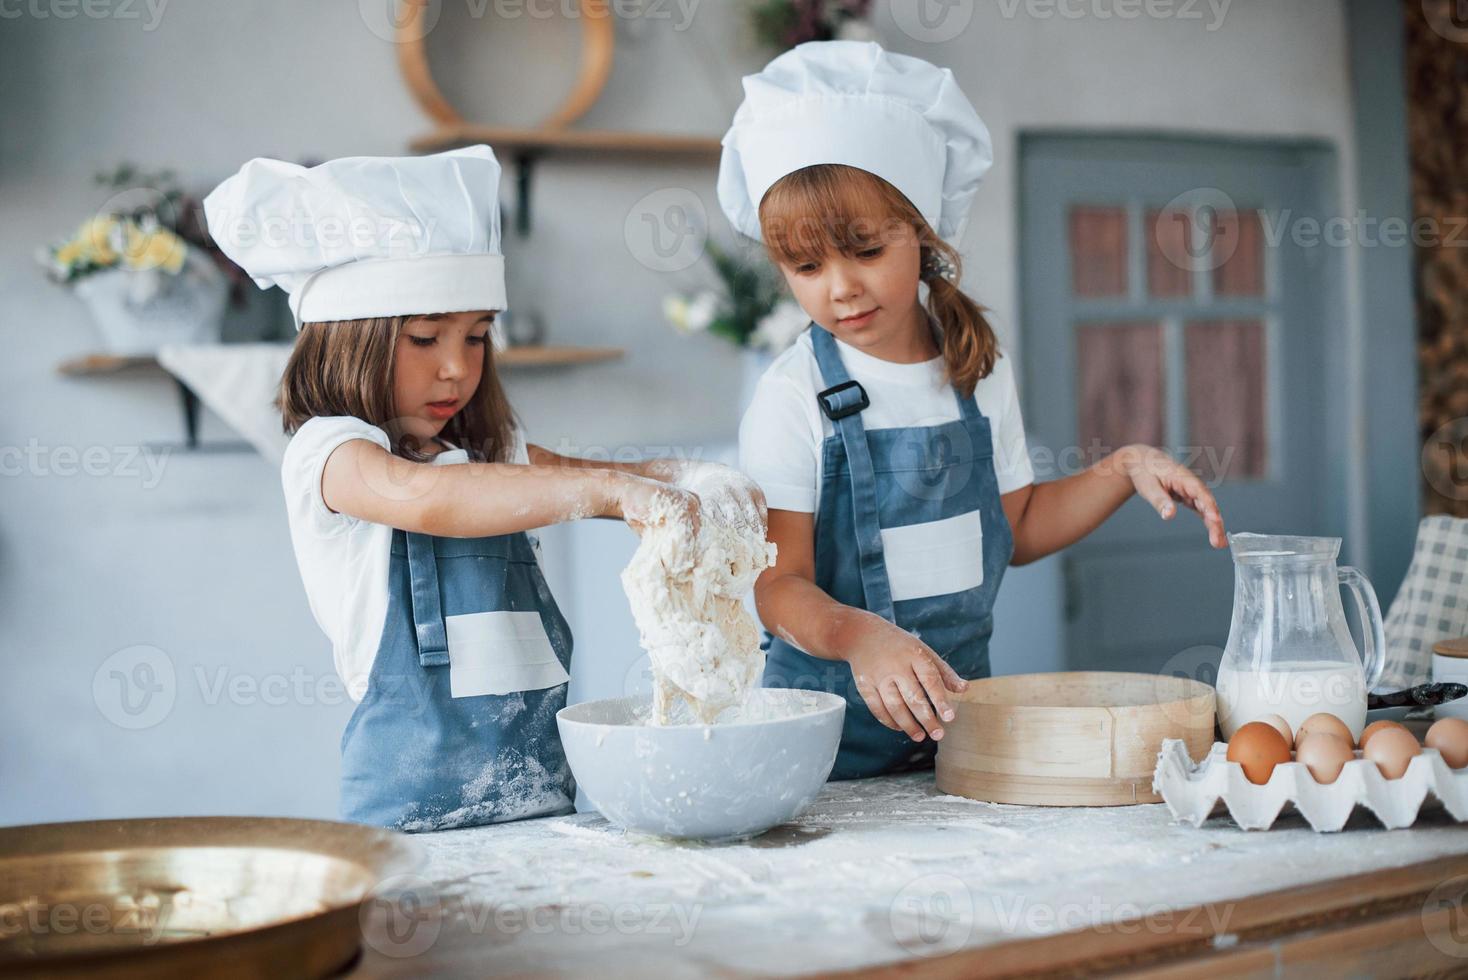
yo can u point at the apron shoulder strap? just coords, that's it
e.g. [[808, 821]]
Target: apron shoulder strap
[[968, 408], [843, 402], [433, 642]]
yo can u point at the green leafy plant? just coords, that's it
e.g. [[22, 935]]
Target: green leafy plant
[[781, 24], [750, 309]]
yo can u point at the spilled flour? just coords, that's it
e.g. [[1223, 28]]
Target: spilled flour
[[687, 599]]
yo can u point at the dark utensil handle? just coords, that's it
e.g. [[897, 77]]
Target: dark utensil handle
[[1422, 694]]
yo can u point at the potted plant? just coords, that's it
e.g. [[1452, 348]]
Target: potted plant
[[750, 309], [145, 268], [782, 24]]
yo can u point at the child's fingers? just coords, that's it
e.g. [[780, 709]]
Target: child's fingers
[[755, 513], [1207, 507], [951, 679], [1150, 489], [868, 692], [932, 682], [898, 709], [1217, 533], [738, 507], [879, 711], [1189, 488], [722, 504], [695, 517], [1196, 495], [753, 505], [918, 704]]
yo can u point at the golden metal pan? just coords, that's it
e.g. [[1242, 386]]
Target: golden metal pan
[[191, 896]]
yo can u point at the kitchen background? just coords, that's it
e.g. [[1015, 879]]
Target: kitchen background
[[159, 654]]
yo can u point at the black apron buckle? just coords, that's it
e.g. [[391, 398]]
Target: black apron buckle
[[837, 404]]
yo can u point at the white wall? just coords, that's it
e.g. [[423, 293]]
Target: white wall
[[199, 565]]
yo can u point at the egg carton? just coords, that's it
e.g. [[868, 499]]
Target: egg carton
[[1192, 792]]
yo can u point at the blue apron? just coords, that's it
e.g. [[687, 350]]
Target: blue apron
[[415, 756], [924, 493]]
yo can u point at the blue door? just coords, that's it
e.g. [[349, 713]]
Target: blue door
[[1180, 293]]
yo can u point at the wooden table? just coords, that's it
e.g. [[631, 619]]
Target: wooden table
[[887, 877]]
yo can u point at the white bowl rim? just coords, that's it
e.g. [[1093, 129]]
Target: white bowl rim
[[833, 702]]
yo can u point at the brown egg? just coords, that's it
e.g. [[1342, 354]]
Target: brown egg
[[1325, 756], [1375, 727], [1392, 750], [1281, 726], [1258, 747], [1327, 723], [1450, 737]]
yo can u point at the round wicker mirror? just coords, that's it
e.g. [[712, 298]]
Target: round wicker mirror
[[597, 43]]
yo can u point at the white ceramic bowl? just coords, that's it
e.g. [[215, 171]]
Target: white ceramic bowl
[[733, 779]]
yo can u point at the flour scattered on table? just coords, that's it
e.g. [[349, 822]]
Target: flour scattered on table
[[687, 597]]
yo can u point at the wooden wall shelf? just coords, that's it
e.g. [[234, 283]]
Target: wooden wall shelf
[[90, 364], [517, 142], [536, 356]]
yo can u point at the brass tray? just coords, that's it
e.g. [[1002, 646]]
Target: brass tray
[[192, 896]]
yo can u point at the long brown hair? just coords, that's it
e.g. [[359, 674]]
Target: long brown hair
[[831, 207], [345, 367]]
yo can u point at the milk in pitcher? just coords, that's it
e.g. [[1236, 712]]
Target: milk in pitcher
[[1294, 691]]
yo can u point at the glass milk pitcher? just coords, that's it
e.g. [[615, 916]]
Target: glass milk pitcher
[[1290, 650]]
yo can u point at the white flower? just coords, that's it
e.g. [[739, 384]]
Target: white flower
[[857, 30], [691, 316], [778, 328], [675, 310], [703, 310]]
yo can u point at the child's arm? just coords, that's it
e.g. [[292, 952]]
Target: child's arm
[[901, 679], [720, 488], [483, 499], [1046, 517]]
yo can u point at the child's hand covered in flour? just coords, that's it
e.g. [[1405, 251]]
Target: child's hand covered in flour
[[904, 683], [643, 502], [728, 494]]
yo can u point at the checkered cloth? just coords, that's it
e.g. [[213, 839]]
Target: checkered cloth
[[1432, 604]]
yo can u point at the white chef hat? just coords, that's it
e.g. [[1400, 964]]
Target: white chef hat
[[853, 103], [368, 236]]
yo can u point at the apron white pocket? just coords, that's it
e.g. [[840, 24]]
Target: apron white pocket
[[500, 653], [936, 558]]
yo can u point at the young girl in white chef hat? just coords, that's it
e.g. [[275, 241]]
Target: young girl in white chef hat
[[409, 486], [888, 439]]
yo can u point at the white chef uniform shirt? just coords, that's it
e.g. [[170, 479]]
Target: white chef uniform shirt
[[343, 560]]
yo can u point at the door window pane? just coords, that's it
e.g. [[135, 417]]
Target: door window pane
[[1098, 251], [1121, 386], [1238, 249], [1226, 398], [1169, 261]]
